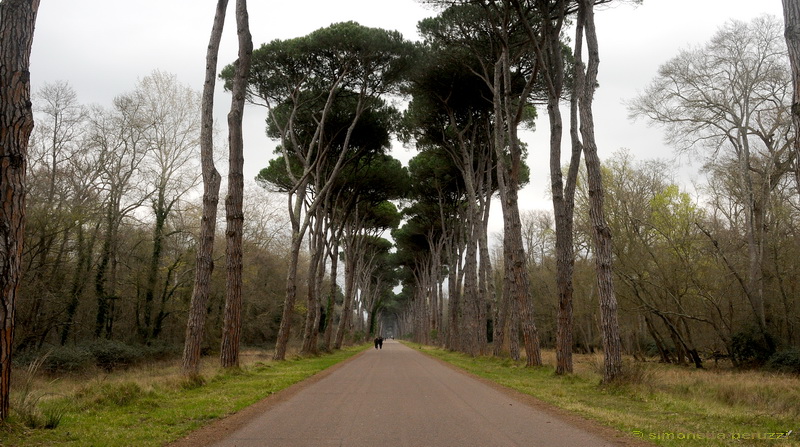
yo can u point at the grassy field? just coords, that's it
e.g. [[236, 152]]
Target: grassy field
[[666, 405], [151, 405]]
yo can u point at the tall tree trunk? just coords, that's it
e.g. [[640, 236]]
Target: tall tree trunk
[[334, 255], [508, 179], [232, 323], [551, 56], [17, 19], [204, 264], [315, 270], [791, 19], [612, 350], [291, 277], [160, 210]]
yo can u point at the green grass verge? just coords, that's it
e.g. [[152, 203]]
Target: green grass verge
[[125, 413], [667, 406]]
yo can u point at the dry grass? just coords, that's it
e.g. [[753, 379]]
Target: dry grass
[[164, 374]]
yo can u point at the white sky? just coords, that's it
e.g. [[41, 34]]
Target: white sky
[[102, 47]]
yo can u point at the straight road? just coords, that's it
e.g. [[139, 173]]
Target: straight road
[[397, 397]]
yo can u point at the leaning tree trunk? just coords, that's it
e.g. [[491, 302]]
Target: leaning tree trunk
[[204, 265], [232, 323], [612, 364], [17, 19]]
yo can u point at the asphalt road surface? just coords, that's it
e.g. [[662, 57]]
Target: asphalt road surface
[[397, 397]]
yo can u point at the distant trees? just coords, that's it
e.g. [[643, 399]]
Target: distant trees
[[93, 213], [513, 55], [318, 89], [732, 97], [170, 114]]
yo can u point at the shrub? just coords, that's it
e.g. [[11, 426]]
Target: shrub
[[67, 359], [787, 360], [751, 348], [111, 354], [105, 354]]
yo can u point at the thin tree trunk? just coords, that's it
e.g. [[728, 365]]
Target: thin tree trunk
[[160, 211], [349, 291], [513, 248], [291, 277], [612, 350], [315, 271], [334, 254], [17, 19], [232, 323], [204, 265]]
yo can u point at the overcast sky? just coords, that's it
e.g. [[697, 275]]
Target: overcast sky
[[102, 47]]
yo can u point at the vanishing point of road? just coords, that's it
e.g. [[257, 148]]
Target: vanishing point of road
[[397, 397]]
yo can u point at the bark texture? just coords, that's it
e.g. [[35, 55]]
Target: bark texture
[[612, 364], [204, 267], [17, 19], [232, 323]]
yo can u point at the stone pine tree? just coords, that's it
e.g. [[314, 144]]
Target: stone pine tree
[[232, 323], [17, 20], [204, 264], [305, 77]]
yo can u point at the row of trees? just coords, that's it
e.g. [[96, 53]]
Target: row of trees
[[485, 66], [697, 277], [472, 86]]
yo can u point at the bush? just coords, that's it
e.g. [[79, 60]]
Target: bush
[[105, 354], [787, 360], [67, 359], [111, 354], [751, 348]]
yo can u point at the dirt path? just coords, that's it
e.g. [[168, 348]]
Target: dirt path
[[397, 397]]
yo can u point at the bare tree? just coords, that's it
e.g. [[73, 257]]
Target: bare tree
[[17, 19], [171, 112], [52, 208], [117, 137]]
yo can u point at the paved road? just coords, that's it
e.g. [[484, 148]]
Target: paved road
[[397, 397]]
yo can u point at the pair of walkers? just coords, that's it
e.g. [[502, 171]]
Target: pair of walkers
[[379, 342]]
